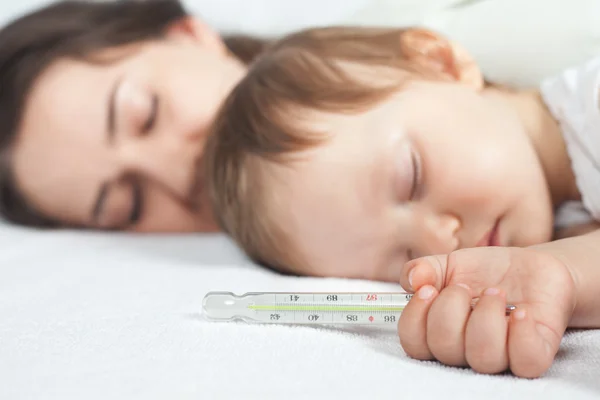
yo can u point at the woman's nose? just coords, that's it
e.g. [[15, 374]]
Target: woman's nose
[[438, 234], [171, 160]]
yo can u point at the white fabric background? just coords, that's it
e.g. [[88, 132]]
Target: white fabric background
[[99, 316]]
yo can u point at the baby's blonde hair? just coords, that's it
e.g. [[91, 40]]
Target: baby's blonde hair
[[260, 123]]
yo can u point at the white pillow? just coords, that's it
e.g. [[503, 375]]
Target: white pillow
[[13, 9], [520, 42], [517, 42]]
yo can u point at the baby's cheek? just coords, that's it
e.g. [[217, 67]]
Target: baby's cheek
[[481, 175]]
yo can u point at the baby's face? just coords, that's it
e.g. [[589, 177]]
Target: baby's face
[[434, 168]]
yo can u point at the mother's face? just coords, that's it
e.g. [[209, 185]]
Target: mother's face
[[119, 144]]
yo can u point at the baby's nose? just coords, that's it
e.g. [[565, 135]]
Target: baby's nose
[[447, 228], [439, 235]]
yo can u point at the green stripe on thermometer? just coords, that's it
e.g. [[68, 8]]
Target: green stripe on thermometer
[[325, 308], [335, 308]]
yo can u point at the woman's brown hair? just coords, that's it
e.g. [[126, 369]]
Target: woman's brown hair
[[76, 30], [336, 69]]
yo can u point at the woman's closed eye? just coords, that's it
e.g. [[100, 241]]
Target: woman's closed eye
[[137, 202], [137, 192], [152, 115], [120, 204]]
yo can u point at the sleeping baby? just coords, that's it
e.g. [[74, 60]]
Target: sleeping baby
[[384, 154]]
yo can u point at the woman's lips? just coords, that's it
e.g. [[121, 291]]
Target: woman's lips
[[491, 238]]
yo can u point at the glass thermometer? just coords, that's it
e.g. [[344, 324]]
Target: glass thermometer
[[332, 308]]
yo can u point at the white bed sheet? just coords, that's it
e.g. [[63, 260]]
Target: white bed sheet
[[98, 316]]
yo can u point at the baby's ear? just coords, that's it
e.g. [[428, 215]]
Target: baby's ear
[[437, 52]]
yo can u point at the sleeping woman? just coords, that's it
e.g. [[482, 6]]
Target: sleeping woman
[[105, 108]]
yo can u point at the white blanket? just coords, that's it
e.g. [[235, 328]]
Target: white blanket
[[103, 316]]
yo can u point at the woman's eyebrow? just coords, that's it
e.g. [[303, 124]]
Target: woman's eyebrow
[[100, 200], [111, 115]]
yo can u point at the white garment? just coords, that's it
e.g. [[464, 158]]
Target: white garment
[[572, 97]]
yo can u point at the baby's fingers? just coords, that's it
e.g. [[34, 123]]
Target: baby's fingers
[[412, 326], [424, 271], [531, 346], [486, 334]]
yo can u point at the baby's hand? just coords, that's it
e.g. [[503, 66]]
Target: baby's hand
[[438, 322]]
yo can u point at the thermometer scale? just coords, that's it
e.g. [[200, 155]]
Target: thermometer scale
[[319, 308]]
